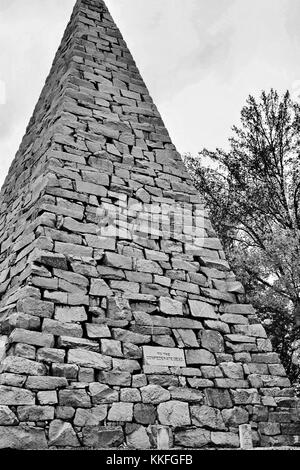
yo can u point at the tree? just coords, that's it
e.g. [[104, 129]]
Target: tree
[[253, 194]]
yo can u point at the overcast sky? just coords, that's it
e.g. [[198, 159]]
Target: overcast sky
[[199, 58]]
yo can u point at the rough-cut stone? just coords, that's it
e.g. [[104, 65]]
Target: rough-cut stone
[[3, 346], [121, 412], [232, 370], [50, 355], [225, 439], [154, 394], [256, 330], [148, 266], [219, 264], [58, 328], [170, 306], [46, 383], [200, 383], [47, 398], [15, 396], [69, 371], [138, 439], [115, 378], [246, 437], [22, 437], [231, 383], [185, 323], [31, 337], [7, 417], [267, 358], [12, 380], [131, 395], [20, 320], [199, 356], [61, 434], [70, 314], [212, 340], [111, 347], [101, 393], [130, 337], [217, 325], [85, 358], [74, 398], [25, 350], [64, 412], [21, 365], [99, 437], [244, 397], [193, 437], [32, 306], [92, 417], [118, 261], [277, 369], [218, 398], [242, 309], [163, 340], [81, 343], [164, 380], [269, 429], [138, 380], [202, 310], [186, 394], [211, 372], [100, 288], [235, 338], [235, 416], [35, 413], [208, 417], [234, 319], [264, 345], [95, 331], [144, 413], [86, 375], [186, 338], [174, 413], [125, 365]]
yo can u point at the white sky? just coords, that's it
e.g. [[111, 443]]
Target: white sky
[[199, 58]]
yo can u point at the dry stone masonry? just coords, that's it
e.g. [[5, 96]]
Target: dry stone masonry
[[120, 317]]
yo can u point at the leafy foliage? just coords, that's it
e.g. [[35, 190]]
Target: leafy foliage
[[253, 193]]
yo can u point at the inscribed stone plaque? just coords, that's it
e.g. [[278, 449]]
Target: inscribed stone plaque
[[156, 356], [245, 436]]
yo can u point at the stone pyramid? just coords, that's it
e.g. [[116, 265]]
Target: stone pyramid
[[121, 321]]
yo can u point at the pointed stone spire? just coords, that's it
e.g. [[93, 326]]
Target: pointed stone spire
[[119, 314]]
